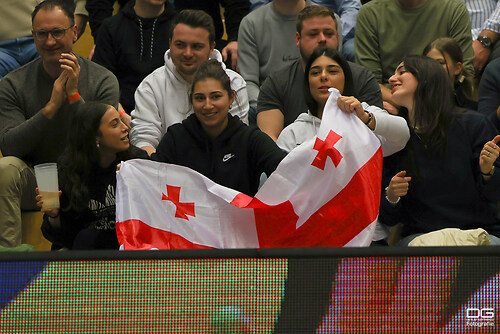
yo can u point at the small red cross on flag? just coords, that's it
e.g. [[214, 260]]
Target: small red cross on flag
[[181, 209], [325, 149]]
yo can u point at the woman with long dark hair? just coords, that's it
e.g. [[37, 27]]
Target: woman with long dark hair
[[325, 69], [98, 141], [445, 177], [213, 142]]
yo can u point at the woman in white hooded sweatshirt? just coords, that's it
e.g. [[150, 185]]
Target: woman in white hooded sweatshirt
[[326, 69]]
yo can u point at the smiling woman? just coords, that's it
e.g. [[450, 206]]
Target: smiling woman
[[326, 69], [98, 141], [215, 143], [210, 98], [445, 177]]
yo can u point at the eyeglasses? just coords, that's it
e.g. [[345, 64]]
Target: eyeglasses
[[57, 33]]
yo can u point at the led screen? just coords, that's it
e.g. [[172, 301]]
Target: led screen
[[384, 294]]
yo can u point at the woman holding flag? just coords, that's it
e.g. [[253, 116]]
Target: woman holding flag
[[215, 143], [327, 69], [446, 176]]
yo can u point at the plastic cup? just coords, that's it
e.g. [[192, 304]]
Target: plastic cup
[[48, 186]]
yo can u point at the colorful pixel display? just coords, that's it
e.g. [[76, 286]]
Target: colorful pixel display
[[252, 295]]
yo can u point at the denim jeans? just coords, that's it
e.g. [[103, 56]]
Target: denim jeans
[[15, 53]]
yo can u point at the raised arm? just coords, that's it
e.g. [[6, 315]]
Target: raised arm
[[392, 131], [20, 134], [484, 140]]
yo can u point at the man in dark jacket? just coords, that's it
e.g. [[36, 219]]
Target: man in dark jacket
[[132, 43]]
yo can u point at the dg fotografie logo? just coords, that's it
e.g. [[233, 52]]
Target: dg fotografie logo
[[479, 317]]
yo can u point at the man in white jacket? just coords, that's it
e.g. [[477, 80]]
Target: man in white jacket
[[162, 98]]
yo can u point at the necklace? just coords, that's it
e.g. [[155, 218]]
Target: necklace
[[415, 129]]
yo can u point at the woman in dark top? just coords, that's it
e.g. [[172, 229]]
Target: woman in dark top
[[215, 143], [445, 177], [98, 141]]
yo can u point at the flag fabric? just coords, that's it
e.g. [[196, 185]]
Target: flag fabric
[[325, 193]]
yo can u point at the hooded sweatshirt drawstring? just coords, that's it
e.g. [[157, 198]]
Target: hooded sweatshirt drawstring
[[142, 38], [152, 39]]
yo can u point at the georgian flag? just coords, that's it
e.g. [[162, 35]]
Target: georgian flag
[[325, 193]]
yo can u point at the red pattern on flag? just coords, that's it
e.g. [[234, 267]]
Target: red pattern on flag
[[276, 224], [181, 209], [325, 149], [133, 233]]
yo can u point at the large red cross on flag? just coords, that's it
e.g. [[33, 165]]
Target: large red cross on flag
[[326, 149], [181, 209], [325, 193]]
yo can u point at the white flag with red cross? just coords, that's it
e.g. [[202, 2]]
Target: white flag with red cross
[[325, 193]]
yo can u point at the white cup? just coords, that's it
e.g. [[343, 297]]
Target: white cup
[[48, 186]]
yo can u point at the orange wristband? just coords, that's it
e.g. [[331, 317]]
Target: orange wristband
[[74, 97], [122, 113]]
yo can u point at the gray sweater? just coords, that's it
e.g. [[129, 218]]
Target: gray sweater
[[266, 43], [24, 131]]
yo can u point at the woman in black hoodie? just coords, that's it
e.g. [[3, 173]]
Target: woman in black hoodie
[[215, 143]]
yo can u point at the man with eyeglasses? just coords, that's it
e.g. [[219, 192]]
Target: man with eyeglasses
[[36, 105]]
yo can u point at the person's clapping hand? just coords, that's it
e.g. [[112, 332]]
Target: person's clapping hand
[[69, 63]]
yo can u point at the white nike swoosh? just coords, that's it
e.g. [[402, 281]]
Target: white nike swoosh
[[227, 157]]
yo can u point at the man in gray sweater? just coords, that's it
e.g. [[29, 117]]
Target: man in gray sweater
[[266, 42], [36, 105]]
